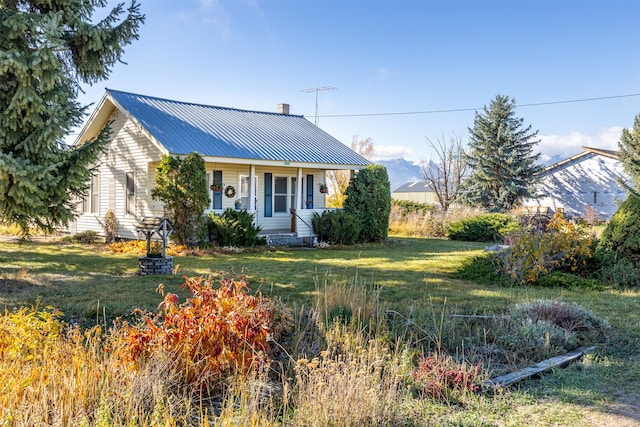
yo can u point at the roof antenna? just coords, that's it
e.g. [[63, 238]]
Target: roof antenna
[[316, 90]]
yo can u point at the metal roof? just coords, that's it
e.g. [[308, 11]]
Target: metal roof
[[587, 152], [414, 187], [183, 127]]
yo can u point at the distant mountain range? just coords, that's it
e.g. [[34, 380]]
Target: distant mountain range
[[401, 171]]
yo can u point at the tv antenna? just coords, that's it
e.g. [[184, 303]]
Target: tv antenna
[[316, 90]]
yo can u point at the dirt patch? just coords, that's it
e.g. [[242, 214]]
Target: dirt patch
[[618, 414], [15, 285]]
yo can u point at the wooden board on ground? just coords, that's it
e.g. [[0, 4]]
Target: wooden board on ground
[[514, 377]]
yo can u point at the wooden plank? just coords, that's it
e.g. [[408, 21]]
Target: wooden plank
[[477, 316], [557, 361]]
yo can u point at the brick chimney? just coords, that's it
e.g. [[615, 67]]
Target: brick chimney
[[283, 109]]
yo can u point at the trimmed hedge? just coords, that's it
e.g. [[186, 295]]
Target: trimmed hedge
[[482, 228], [336, 227], [233, 228]]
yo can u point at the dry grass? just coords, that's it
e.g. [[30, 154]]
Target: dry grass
[[347, 300], [334, 369], [433, 224], [64, 377], [359, 383]]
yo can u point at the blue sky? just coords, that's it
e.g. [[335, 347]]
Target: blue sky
[[397, 57]]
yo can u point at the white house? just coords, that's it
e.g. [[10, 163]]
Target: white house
[[269, 162], [586, 181]]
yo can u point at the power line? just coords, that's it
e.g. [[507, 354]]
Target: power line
[[457, 110]]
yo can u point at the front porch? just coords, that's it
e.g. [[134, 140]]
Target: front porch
[[300, 232]]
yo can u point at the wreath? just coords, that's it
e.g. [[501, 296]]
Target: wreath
[[229, 191]]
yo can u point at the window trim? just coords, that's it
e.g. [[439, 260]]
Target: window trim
[[91, 199], [130, 196]]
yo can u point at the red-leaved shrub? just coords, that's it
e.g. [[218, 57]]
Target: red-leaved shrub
[[439, 376], [216, 334]]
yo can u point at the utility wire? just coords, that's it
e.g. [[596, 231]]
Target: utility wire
[[456, 110]]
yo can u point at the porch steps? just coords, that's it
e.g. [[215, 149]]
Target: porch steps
[[283, 239]]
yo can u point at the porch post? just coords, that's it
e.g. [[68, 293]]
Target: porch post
[[252, 188], [299, 190]]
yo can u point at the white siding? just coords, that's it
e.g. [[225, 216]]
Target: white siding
[[231, 174], [591, 182], [131, 151], [128, 151]]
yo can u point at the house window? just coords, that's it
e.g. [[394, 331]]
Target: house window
[[244, 190], [91, 200], [130, 194], [280, 194]]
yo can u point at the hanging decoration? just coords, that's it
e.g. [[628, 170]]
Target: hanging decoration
[[230, 191]]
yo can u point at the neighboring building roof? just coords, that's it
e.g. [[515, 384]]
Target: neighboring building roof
[[414, 187], [586, 153], [183, 127]]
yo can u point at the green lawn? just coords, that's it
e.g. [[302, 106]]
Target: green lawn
[[81, 279], [413, 275]]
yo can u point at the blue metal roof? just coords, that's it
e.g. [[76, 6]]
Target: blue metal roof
[[183, 128]]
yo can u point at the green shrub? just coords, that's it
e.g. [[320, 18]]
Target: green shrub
[[559, 279], [181, 187], [233, 228], [619, 271], [369, 202], [622, 235], [482, 228], [479, 268], [409, 207], [337, 227]]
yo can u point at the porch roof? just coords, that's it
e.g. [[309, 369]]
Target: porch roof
[[220, 132]]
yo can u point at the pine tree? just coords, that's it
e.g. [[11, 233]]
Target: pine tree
[[629, 153], [500, 156], [47, 49]]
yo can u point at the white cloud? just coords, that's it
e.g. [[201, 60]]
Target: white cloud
[[212, 14], [382, 72], [388, 152], [569, 145]]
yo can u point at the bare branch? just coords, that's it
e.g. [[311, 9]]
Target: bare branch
[[444, 175]]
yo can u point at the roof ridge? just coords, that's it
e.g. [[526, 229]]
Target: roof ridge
[[197, 104]]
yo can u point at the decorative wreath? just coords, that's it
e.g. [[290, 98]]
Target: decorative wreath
[[229, 191]]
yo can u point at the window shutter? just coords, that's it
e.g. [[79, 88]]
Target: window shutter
[[310, 189], [268, 194]]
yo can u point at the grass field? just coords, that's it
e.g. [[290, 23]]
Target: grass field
[[414, 278]]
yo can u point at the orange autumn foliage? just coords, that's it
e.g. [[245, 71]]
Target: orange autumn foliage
[[215, 334]]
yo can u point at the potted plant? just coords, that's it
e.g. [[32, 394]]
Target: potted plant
[[324, 188], [238, 204], [216, 186], [309, 204]]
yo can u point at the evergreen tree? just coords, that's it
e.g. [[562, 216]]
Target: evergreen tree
[[629, 153], [182, 186], [369, 201], [47, 49], [500, 155]]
